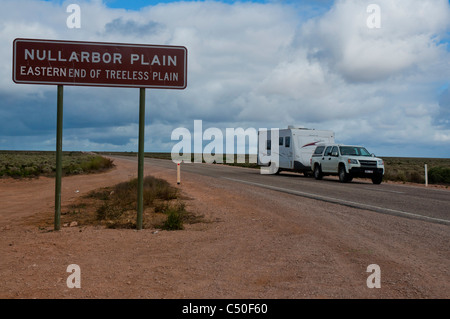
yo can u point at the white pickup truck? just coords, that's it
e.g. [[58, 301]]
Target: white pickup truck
[[347, 162]]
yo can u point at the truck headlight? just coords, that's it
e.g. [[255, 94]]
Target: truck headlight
[[352, 161], [380, 163]]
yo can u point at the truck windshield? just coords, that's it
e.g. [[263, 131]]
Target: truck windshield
[[354, 151]]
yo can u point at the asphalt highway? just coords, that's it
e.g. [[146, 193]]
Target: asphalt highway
[[427, 204]]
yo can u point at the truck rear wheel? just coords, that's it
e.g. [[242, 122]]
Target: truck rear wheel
[[317, 172]]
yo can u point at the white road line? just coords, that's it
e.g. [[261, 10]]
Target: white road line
[[383, 190], [340, 201]]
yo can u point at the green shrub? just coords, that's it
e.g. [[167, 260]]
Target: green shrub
[[19, 164], [416, 177], [109, 212], [118, 209], [412, 169], [96, 163], [175, 218], [438, 175], [154, 188], [161, 206]]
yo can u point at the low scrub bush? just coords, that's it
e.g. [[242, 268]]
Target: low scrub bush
[[412, 170], [33, 164], [175, 218], [108, 212], [154, 188], [439, 175], [119, 204]]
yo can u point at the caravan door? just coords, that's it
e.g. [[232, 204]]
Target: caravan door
[[285, 146]]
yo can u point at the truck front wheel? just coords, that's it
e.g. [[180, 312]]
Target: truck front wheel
[[343, 176], [377, 179], [317, 172]]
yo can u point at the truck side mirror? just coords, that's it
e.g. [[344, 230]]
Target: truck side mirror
[[373, 155], [334, 154]]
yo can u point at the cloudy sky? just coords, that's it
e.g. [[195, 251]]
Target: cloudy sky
[[251, 64]]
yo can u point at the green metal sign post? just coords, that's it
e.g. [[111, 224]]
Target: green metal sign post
[[140, 199], [59, 131]]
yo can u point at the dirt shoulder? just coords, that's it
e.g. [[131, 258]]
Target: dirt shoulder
[[254, 244]]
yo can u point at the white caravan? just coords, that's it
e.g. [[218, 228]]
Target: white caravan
[[295, 148]]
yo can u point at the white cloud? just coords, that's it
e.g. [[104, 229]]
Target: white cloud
[[406, 39]]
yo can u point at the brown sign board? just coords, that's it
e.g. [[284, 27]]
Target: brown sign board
[[99, 64]]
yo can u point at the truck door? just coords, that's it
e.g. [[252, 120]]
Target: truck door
[[334, 160], [326, 159]]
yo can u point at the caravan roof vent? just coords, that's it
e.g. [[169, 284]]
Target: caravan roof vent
[[297, 127]]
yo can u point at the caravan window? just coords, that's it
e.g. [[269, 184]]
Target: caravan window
[[319, 150], [269, 145], [280, 141], [287, 141]]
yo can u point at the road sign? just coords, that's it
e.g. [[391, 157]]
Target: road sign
[[99, 64]]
